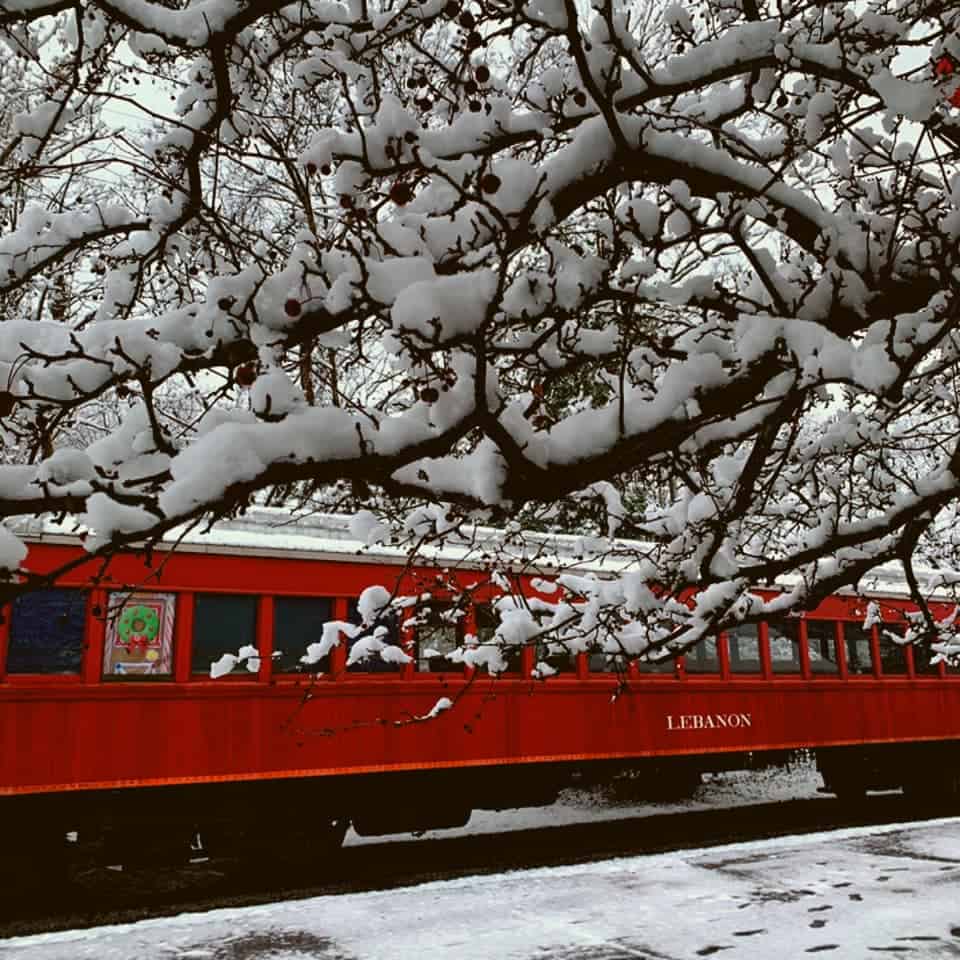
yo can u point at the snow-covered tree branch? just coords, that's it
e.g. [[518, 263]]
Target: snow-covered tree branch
[[496, 256]]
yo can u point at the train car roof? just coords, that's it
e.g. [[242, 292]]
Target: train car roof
[[273, 532]]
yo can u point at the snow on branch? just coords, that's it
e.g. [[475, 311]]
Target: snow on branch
[[686, 274]]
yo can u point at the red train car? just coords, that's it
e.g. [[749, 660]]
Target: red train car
[[110, 721]]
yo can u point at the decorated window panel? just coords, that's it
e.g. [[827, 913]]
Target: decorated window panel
[[46, 632], [139, 635]]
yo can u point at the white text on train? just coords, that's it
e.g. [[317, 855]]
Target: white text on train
[[708, 721]]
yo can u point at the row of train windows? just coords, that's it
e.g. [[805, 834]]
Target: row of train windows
[[47, 632]]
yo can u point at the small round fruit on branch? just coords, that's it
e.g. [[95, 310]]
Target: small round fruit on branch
[[245, 375], [490, 183]]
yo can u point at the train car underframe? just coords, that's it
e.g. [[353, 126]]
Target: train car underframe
[[292, 820]]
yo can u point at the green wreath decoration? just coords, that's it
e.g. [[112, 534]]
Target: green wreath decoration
[[140, 620]]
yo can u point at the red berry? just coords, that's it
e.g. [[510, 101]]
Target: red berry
[[292, 308], [944, 67], [466, 20], [490, 183], [482, 73], [400, 193], [311, 168], [429, 395], [245, 375]]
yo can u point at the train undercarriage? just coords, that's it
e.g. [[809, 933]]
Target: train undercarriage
[[291, 821]]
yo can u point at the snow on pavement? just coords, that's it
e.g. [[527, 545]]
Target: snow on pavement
[[734, 788], [854, 894]]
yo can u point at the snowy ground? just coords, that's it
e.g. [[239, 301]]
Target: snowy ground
[[853, 894], [722, 790]]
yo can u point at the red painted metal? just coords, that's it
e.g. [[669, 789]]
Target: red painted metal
[[82, 733]]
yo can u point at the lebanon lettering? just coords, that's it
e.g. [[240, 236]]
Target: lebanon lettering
[[708, 721]]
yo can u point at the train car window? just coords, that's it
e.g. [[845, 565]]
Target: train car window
[[393, 637], [667, 665], [922, 655], [607, 662], [46, 632], [139, 637], [223, 623], [743, 642], [893, 657], [859, 654], [821, 640], [487, 623], [784, 634], [298, 622], [703, 657], [556, 656], [439, 632]]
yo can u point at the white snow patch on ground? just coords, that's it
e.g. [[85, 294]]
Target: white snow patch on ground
[[720, 790]]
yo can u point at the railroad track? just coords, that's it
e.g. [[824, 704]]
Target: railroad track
[[100, 895]]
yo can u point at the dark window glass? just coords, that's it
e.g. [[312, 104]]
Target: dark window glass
[[859, 654], [666, 665], [375, 663], [487, 623], [557, 656], [439, 632], [821, 639], [743, 643], [222, 623], [298, 622], [46, 632], [703, 657], [893, 657], [922, 655], [784, 635]]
